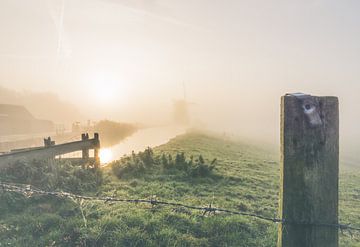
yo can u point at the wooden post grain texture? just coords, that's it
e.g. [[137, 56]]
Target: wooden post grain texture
[[309, 171]]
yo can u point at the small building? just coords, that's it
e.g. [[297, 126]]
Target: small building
[[16, 119]]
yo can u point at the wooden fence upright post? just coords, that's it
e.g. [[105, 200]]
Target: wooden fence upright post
[[96, 150], [309, 171], [85, 152]]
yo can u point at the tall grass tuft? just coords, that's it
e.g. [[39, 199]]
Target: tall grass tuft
[[137, 164]]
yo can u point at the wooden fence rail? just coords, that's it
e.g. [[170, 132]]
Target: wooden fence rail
[[50, 150]]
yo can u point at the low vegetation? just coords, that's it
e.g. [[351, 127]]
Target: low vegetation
[[137, 164], [60, 175], [193, 169], [112, 133]]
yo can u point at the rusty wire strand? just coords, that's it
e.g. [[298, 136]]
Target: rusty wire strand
[[28, 190]]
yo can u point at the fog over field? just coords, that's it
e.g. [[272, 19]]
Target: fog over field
[[128, 60]]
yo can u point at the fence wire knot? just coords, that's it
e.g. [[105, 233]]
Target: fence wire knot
[[209, 210]]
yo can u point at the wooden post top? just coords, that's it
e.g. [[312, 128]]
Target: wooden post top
[[311, 106]]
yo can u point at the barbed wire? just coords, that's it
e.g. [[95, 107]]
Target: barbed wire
[[29, 191]]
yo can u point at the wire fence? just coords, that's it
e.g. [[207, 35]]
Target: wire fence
[[29, 191]]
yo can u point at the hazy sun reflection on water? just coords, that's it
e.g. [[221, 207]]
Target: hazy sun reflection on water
[[105, 155]]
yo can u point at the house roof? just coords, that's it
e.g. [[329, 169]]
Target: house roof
[[15, 111]]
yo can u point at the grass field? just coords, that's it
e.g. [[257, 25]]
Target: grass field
[[245, 178]]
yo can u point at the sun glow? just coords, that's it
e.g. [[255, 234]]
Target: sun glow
[[104, 93], [105, 155], [105, 88]]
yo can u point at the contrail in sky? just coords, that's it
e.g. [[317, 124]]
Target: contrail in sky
[[58, 19], [61, 28], [151, 14]]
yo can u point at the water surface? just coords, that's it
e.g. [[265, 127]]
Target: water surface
[[149, 137]]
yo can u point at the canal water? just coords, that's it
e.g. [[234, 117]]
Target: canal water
[[149, 137], [139, 141]]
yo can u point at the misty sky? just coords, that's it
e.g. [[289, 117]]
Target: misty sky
[[127, 59]]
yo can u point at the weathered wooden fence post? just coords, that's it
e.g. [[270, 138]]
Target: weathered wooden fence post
[[96, 150], [85, 151], [309, 171]]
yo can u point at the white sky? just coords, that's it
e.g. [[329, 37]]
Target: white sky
[[128, 58]]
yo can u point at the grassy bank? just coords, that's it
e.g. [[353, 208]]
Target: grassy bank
[[111, 133], [202, 170]]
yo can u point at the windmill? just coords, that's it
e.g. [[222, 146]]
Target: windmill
[[181, 109]]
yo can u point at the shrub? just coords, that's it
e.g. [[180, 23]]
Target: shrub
[[201, 169], [121, 169], [197, 168], [147, 157], [134, 164], [137, 164]]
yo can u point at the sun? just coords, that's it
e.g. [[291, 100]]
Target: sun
[[105, 88], [104, 93], [105, 156]]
